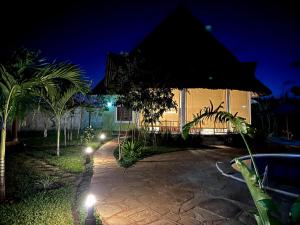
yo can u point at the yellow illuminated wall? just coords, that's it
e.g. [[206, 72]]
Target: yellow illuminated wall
[[239, 102], [198, 98]]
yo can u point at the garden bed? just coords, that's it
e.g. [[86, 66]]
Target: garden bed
[[43, 188]]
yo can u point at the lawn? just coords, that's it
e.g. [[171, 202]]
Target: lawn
[[41, 187]]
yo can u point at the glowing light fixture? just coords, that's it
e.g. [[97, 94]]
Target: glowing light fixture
[[243, 106], [90, 201], [109, 104], [88, 150], [102, 136]]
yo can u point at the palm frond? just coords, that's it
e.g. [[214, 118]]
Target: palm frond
[[65, 72], [206, 113], [6, 78]]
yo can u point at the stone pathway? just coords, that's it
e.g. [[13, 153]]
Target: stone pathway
[[177, 188]]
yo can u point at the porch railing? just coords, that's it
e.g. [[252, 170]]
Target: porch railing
[[174, 127]]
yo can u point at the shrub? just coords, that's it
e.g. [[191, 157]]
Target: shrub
[[88, 134], [132, 149]]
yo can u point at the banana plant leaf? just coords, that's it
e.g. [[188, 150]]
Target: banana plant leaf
[[265, 206]]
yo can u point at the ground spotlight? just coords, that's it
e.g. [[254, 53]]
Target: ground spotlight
[[90, 201]]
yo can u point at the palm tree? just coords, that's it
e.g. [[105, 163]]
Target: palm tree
[[58, 102], [21, 66], [14, 87]]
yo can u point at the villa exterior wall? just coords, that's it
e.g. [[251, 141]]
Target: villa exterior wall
[[195, 99], [234, 101], [81, 118]]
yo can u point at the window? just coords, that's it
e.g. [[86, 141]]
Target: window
[[123, 114]]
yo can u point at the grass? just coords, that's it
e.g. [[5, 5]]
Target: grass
[[41, 187], [47, 207], [71, 158]]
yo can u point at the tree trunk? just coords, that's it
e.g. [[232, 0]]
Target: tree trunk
[[2, 163], [65, 132], [89, 119], [45, 129], [45, 132], [71, 129], [58, 137], [80, 122], [15, 125]]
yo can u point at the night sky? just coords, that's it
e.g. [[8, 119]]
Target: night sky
[[83, 32]]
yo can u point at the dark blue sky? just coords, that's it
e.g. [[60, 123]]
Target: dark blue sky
[[83, 32]]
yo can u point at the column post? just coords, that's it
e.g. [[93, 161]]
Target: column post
[[182, 108], [227, 91], [249, 107]]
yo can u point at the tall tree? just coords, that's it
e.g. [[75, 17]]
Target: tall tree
[[149, 98], [21, 65], [17, 86], [58, 101]]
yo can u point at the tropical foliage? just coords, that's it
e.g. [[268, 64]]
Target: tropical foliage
[[137, 96], [60, 101], [266, 210], [132, 149], [88, 134], [27, 77]]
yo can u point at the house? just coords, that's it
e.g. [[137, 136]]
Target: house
[[186, 57]]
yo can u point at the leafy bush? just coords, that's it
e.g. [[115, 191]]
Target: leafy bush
[[132, 149], [88, 134], [145, 152]]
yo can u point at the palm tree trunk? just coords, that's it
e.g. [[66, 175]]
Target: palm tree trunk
[[71, 129], [65, 131], [80, 122], [2, 163], [89, 119], [58, 137], [45, 132]]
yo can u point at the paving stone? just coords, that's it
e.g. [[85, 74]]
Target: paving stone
[[247, 218], [144, 217], [221, 207], [186, 220], [172, 217], [163, 222], [179, 188], [205, 215], [118, 220], [108, 210]]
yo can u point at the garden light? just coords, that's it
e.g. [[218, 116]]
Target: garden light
[[90, 201], [102, 136], [88, 150]]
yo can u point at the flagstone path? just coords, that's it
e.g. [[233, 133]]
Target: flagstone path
[[179, 188]]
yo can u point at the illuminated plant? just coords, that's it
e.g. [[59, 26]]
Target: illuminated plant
[[29, 77], [266, 209]]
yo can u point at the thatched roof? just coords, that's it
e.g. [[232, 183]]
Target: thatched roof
[[182, 53]]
